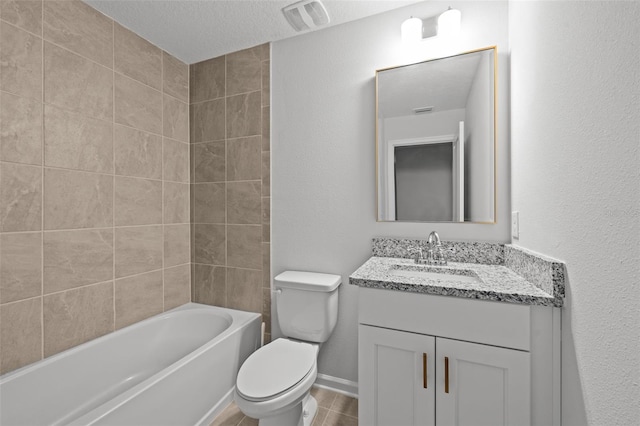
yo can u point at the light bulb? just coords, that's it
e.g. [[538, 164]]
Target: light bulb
[[411, 30], [449, 23]]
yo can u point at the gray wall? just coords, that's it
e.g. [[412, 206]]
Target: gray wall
[[576, 183], [479, 158], [323, 145]]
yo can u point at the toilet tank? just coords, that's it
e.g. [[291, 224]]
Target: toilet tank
[[307, 304]]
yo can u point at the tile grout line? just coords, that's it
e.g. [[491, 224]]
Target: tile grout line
[[225, 95], [103, 228], [189, 175], [226, 204], [42, 161], [113, 165], [91, 117], [164, 235]]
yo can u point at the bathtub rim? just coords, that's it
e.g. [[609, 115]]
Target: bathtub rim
[[239, 315], [243, 318]]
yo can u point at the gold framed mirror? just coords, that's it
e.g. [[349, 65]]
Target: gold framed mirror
[[436, 139]]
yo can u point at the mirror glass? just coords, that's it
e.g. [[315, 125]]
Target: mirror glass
[[435, 140]]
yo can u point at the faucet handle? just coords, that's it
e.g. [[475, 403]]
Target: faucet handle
[[440, 257], [416, 251]]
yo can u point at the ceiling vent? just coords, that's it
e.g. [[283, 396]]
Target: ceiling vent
[[306, 15], [422, 110]]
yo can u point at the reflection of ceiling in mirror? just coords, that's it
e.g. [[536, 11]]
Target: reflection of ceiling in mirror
[[442, 83]]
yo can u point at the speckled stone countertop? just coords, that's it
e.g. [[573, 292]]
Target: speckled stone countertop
[[516, 275]]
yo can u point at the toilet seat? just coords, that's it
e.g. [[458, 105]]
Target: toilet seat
[[275, 368]]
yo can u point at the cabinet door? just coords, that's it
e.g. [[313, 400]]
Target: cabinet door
[[396, 378], [487, 385]]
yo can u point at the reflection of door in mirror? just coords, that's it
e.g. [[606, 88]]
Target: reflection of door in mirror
[[436, 140], [426, 178]]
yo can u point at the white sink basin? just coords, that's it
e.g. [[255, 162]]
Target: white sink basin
[[443, 275]]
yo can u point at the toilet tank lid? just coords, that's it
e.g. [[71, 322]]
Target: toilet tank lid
[[312, 281]]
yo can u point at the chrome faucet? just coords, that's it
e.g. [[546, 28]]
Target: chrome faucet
[[434, 255]]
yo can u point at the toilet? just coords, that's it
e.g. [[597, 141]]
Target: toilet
[[274, 383]]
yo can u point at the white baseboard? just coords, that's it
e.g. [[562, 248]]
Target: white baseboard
[[336, 384]]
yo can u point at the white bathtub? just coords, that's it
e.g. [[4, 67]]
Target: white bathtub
[[177, 368]]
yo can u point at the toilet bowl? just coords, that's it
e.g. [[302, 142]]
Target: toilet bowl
[[274, 383]]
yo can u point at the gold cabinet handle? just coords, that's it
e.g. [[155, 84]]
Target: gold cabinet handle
[[446, 374], [424, 370]]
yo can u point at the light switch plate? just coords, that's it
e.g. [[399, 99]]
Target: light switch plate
[[515, 225]]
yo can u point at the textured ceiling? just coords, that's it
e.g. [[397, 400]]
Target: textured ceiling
[[195, 30]]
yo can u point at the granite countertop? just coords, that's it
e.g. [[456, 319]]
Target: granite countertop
[[496, 282]]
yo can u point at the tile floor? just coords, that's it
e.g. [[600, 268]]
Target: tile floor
[[334, 409]]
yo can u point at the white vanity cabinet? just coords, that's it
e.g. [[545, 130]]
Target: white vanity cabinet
[[396, 383], [437, 360]]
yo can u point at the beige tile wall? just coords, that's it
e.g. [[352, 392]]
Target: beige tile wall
[[94, 179], [230, 190]]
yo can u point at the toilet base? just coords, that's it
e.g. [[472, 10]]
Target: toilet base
[[301, 414]]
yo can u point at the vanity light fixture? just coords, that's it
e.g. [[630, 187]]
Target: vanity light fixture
[[447, 24], [411, 30]]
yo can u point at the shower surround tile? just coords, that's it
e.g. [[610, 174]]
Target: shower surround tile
[[266, 174], [244, 202], [266, 83], [209, 203], [75, 141], [137, 105], [135, 57], [230, 180], [77, 84], [209, 162], [244, 158], [175, 160], [78, 27], [244, 289], [20, 266], [244, 71], [77, 258], [176, 245], [20, 129], [175, 119], [76, 316], [266, 129], [137, 201], [244, 246], [243, 115], [137, 153], [20, 334], [24, 14], [20, 198], [177, 286], [137, 298], [175, 77], [176, 202], [20, 62], [207, 80], [210, 244], [75, 200], [210, 284], [63, 161], [207, 121], [138, 249]]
